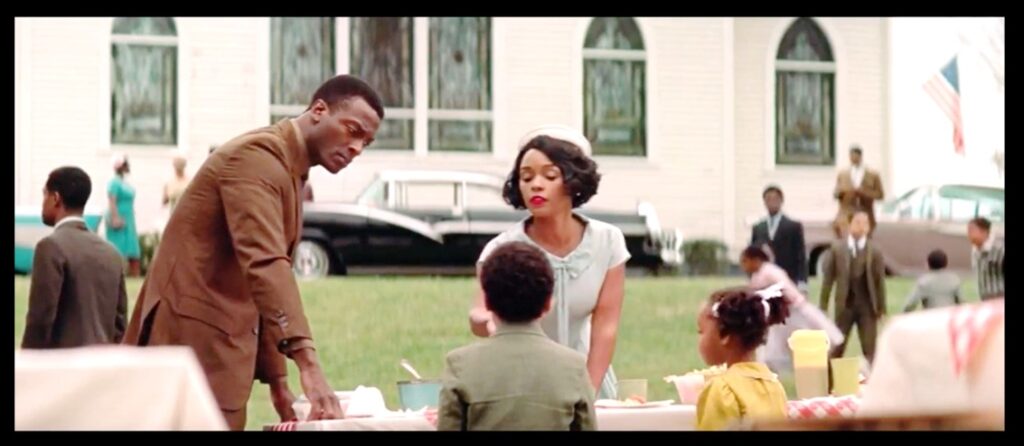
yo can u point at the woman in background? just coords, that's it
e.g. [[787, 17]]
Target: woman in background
[[121, 230]]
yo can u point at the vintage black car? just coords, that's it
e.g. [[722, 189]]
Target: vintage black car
[[437, 222]]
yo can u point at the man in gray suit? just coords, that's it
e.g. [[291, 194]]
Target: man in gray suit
[[517, 379], [857, 269], [77, 296]]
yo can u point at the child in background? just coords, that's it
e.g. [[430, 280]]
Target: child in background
[[936, 288]]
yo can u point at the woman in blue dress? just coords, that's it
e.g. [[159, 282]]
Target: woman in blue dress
[[121, 230]]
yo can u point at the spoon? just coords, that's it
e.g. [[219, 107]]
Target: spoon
[[407, 366]]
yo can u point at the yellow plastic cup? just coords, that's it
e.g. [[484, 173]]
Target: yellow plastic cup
[[845, 376]]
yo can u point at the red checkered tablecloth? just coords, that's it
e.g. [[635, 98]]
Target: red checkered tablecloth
[[968, 326], [823, 407]]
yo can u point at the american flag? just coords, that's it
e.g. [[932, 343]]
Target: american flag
[[944, 87]]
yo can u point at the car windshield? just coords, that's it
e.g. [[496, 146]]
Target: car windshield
[[479, 196], [376, 194], [953, 203], [425, 195], [962, 203], [430, 194], [915, 205], [900, 203]]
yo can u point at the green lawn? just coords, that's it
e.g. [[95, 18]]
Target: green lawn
[[364, 325]]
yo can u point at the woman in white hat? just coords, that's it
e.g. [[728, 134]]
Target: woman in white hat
[[121, 230], [554, 174]]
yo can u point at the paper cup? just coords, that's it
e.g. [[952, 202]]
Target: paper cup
[[689, 387]]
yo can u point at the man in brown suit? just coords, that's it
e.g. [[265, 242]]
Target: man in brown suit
[[857, 269], [222, 281], [857, 188], [77, 295]]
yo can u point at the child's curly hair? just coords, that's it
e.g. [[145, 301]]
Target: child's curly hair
[[744, 313]]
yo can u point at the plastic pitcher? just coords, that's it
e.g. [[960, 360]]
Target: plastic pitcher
[[810, 362]]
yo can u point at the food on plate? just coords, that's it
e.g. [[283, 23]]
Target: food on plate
[[706, 373], [635, 400]]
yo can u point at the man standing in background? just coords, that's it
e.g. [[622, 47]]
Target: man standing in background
[[784, 237], [857, 188]]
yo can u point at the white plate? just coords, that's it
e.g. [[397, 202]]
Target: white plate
[[616, 404]]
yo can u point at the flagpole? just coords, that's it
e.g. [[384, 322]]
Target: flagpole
[[960, 84]]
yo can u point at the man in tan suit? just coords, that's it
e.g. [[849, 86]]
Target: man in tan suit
[[77, 295], [222, 280], [857, 188], [857, 269]]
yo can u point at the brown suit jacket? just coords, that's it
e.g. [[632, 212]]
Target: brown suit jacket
[[871, 188], [222, 279], [77, 296], [836, 271]]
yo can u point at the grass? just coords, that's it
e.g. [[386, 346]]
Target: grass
[[364, 325]]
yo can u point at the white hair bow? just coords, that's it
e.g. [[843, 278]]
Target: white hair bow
[[771, 292], [765, 294]]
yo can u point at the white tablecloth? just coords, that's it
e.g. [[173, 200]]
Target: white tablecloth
[[675, 417], [914, 373], [112, 388], [413, 422]]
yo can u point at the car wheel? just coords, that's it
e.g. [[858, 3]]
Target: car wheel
[[311, 260]]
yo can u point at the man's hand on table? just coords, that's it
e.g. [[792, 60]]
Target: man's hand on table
[[283, 398], [323, 402]]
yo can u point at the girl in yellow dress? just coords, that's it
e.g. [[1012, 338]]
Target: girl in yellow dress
[[732, 324]]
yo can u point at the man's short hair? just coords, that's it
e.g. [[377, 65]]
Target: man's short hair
[[73, 186], [341, 88], [773, 188], [982, 223]]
